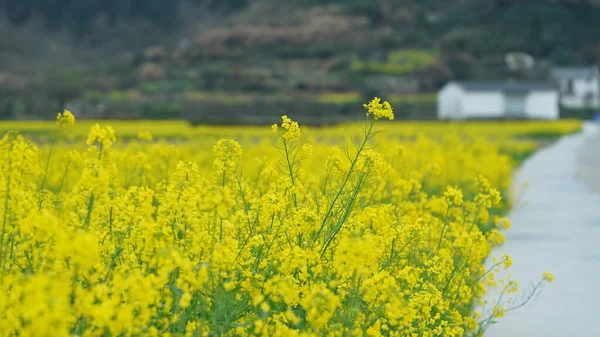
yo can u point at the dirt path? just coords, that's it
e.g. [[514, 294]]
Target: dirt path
[[556, 227]]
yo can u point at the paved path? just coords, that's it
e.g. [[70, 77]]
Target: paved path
[[556, 227]]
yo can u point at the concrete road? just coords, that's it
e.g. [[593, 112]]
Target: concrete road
[[556, 227]]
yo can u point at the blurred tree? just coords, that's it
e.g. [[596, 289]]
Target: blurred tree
[[18, 11], [536, 29], [226, 5], [62, 84], [78, 15]]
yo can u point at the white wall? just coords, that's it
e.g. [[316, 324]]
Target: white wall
[[484, 104], [455, 103], [581, 87], [449, 104], [542, 105]]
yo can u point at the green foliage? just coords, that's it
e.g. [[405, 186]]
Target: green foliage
[[62, 84], [419, 58], [380, 67], [338, 98], [78, 15], [93, 96], [166, 86], [557, 30], [122, 96], [159, 110], [401, 61], [413, 98]]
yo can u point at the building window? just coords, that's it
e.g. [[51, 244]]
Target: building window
[[514, 105], [570, 90]]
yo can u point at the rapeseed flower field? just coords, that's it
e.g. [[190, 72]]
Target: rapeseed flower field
[[367, 229]]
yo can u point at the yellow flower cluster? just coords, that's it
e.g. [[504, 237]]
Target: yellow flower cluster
[[337, 238], [145, 136], [504, 135], [101, 135], [379, 110], [290, 129], [228, 153], [65, 119]]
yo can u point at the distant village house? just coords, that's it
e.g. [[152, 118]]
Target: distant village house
[[498, 100], [579, 86]]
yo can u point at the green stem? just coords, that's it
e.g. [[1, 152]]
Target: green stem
[[88, 217], [439, 245], [62, 179], [130, 178], [5, 218], [54, 140], [100, 149], [345, 182], [290, 169], [346, 214]]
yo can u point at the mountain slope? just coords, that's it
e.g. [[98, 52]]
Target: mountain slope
[[253, 53]]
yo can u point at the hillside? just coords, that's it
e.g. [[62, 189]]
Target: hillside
[[255, 59]]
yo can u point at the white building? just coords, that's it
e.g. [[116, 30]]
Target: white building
[[498, 100], [579, 86]]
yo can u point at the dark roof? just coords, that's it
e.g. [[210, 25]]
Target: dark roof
[[506, 86], [574, 72]]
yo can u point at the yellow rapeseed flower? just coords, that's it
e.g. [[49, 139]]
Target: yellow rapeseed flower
[[65, 119], [548, 276], [291, 129], [145, 136], [102, 135], [379, 110], [239, 237]]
